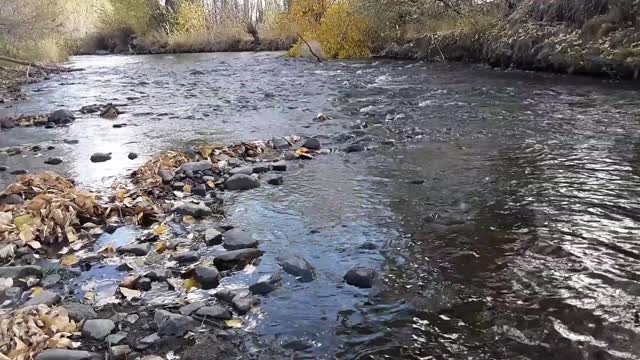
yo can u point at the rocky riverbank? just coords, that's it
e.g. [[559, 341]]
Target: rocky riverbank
[[136, 272]]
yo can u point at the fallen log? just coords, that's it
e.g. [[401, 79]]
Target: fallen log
[[38, 66]]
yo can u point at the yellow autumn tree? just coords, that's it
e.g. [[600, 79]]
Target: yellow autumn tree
[[191, 17]]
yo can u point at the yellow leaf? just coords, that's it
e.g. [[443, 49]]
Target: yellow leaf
[[130, 294], [34, 244], [70, 260], [233, 323], [37, 291], [302, 151], [192, 284], [107, 251], [187, 188], [189, 219], [162, 229], [26, 235], [90, 296], [121, 194], [71, 235], [211, 184], [161, 247], [23, 221]]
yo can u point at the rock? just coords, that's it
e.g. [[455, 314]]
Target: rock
[[132, 318], [208, 277], [215, 312], [312, 144], [242, 182], [53, 161], [279, 166], [237, 239], [78, 312], [186, 257], [178, 185], [167, 176], [297, 266], [147, 341], [119, 352], [237, 258], [98, 328], [111, 228], [212, 237], [190, 168], [360, 277], [195, 210], [200, 190], [100, 157], [51, 280], [290, 155], [18, 172], [36, 148], [191, 308], [262, 168], [368, 246], [135, 249], [276, 180], [354, 148], [416, 182], [116, 338], [44, 297], [71, 141], [280, 143], [63, 354], [144, 284], [266, 284], [132, 156], [62, 116], [12, 294], [172, 324], [243, 304], [15, 272], [109, 112], [3, 168], [245, 170], [11, 199]]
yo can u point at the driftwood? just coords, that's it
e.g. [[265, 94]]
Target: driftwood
[[310, 49], [37, 66]]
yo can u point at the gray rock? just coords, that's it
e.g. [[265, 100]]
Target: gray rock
[[172, 324], [51, 280], [62, 116], [276, 180], [237, 239], [212, 237], [280, 143], [237, 258], [144, 284], [167, 176], [368, 246], [297, 266], [195, 210], [245, 170], [100, 157], [190, 168], [98, 328], [266, 284], [214, 312], [208, 277], [135, 249], [200, 190], [119, 352], [53, 161], [12, 294], [79, 312], [354, 148], [71, 141], [312, 144], [44, 297], [147, 341], [186, 257], [132, 156], [360, 277], [290, 155], [116, 338], [63, 354], [191, 308], [11, 199], [242, 182], [243, 304], [261, 168], [279, 166], [178, 186]]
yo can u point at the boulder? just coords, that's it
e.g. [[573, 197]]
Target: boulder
[[172, 324], [245, 170], [208, 277], [360, 277], [312, 144], [64, 354], [135, 249], [242, 182], [195, 210], [100, 157], [212, 237], [78, 312], [297, 266], [279, 166], [62, 116], [266, 284], [45, 297], [98, 328], [237, 258], [237, 239], [214, 312]]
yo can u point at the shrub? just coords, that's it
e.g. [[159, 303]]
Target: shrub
[[191, 17]]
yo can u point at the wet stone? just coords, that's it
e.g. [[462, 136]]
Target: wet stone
[[3, 168], [132, 156], [237, 258], [167, 175], [18, 172], [172, 324], [262, 168], [119, 352], [276, 180], [243, 170], [237, 239], [360, 277], [45, 297], [79, 312], [191, 308], [51, 280], [368, 246], [178, 186], [64, 354], [266, 284], [243, 304], [312, 144], [144, 284], [135, 249], [199, 190], [190, 168], [214, 312], [100, 157], [208, 277], [212, 237], [147, 341], [98, 328], [279, 166], [11, 199], [62, 116], [195, 210], [116, 338], [354, 148], [280, 143], [290, 155], [297, 266], [186, 257], [12, 294], [15, 272], [53, 161], [71, 141]]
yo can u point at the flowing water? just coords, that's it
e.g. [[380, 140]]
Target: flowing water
[[522, 242]]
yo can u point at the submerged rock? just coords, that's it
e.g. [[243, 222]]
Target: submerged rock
[[242, 182], [312, 144], [354, 148], [132, 156], [62, 116], [236, 258], [279, 166], [360, 277], [237, 239], [195, 210], [172, 324], [64, 354], [212, 237], [98, 328], [135, 249], [266, 284], [53, 161], [276, 180], [297, 266], [100, 157]]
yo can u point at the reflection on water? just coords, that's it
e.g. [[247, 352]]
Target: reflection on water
[[522, 242]]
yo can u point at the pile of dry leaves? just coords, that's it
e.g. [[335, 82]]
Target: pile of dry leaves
[[31, 330]]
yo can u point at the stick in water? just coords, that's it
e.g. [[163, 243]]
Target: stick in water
[[309, 46]]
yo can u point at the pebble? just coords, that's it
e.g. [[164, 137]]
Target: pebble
[[119, 352], [167, 176], [53, 161], [243, 170], [200, 190], [100, 157], [116, 338], [280, 143], [237, 239], [242, 182], [144, 284], [191, 308], [98, 328], [18, 172], [51, 280], [360, 277], [132, 156], [147, 341], [297, 266]]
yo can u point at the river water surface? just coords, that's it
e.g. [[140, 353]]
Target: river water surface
[[523, 241]]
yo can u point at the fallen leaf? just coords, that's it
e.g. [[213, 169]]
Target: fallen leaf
[[34, 244], [37, 291], [23, 221], [189, 219], [233, 323], [8, 251], [211, 184], [70, 260], [192, 283], [5, 218], [26, 235], [162, 229], [90, 296], [130, 294], [107, 251], [161, 247], [302, 151], [187, 188]]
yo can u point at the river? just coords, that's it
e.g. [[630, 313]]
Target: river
[[505, 215]]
